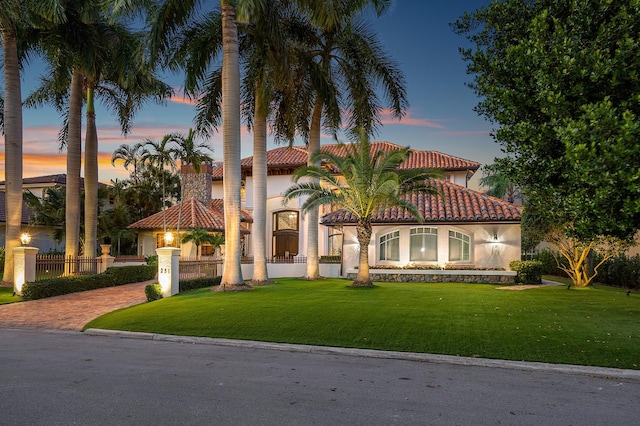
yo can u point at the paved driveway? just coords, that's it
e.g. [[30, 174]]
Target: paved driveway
[[71, 311]]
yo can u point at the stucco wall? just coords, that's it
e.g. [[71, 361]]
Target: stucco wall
[[485, 251]]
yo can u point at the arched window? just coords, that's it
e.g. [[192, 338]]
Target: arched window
[[459, 244], [285, 233], [424, 245], [390, 246]]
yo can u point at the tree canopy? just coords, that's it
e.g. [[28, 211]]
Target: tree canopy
[[560, 81]]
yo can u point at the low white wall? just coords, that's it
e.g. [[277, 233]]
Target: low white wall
[[284, 270]]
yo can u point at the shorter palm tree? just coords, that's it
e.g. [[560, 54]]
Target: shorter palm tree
[[362, 182], [199, 236]]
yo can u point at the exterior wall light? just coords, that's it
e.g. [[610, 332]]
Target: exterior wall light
[[25, 238]]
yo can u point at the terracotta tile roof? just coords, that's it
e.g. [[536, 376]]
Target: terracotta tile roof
[[459, 204], [50, 180], [194, 214], [296, 156]]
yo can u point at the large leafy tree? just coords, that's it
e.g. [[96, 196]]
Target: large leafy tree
[[560, 81], [361, 182]]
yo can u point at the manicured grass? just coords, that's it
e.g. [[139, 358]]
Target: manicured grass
[[593, 326], [6, 296]]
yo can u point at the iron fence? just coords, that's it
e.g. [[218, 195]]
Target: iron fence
[[56, 265], [191, 268]]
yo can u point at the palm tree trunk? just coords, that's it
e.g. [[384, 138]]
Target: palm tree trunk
[[232, 179], [259, 234], [74, 159], [313, 260], [13, 148], [363, 279], [91, 179]]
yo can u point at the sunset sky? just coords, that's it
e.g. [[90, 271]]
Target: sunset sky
[[416, 34]]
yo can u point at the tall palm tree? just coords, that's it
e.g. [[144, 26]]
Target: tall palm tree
[[160, 155], [354, 66], [130, 155], [14, 16], [362, 182]]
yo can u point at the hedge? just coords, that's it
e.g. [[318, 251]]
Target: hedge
[[528, 271], [193, 284], [64, 285]]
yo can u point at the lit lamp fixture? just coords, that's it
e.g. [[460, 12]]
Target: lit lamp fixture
[[25, 238], [168, 238], [495, 236]]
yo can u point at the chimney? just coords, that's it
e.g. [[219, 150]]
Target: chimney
[[196, 185]]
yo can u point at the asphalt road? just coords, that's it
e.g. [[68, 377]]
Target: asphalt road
[[70, 378]]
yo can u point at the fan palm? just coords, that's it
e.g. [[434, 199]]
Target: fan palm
[[361, 182]]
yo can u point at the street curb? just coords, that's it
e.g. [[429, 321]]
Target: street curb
[[601, 372]]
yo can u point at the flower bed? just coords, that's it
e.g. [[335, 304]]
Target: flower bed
[[439, 276]]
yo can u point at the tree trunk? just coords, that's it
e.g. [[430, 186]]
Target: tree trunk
[[12, 148], [91, 179], [313, 260], [74, 159], [232, 179], [363, 278], [259, 233]]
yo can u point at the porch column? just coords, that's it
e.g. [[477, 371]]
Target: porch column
[[24, 267], [168, 270]]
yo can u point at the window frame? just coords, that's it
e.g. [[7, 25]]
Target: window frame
[[464, 240], [420, 232], [384, 241]]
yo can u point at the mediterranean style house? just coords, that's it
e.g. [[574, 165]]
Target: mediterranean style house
[[462, 228]]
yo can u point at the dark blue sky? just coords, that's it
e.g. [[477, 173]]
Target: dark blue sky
[[416, 34]]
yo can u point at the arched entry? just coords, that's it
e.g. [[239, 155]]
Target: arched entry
[[286, 227]]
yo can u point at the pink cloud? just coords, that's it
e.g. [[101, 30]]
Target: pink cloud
[[408, 120]]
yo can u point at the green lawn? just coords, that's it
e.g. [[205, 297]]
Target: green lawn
[[6, 296], [593, 326]]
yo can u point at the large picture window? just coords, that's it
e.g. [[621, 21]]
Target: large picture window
[[285, 233], [390, 246], [458, 246], [424, 245]]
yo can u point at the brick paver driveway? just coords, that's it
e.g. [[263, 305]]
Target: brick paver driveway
[[71, 311]]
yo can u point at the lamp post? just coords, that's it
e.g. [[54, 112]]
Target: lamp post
[[25, 238], [168, 239]]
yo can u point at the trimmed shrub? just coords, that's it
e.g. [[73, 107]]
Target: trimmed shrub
[[153, 292], [132, 273], [528, 271], [64, 285], [186, 285], [331, 259]]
